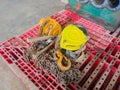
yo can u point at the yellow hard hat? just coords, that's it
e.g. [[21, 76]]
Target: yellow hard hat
[[72, 38]]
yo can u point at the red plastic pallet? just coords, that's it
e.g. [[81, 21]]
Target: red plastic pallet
[[100, 69]]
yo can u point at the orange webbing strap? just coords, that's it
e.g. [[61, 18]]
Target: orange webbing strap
[[49, 26]]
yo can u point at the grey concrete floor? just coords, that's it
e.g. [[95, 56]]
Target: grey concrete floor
[[17, 16]]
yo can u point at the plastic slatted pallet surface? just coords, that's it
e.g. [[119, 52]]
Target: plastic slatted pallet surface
[[100, 69]]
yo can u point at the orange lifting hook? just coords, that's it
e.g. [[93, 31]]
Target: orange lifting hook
[[61, 57]]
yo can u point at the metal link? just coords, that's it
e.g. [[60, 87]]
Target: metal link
[[46, 61]]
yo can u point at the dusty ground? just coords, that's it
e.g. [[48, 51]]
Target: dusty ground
[[16, 16]]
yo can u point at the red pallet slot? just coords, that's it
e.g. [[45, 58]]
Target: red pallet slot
[[91, 25], [119, 43], [99, 38], [66, 12], [91, 44], [91, 29], [107, 80], [117, 84], [13, 42], [90, 48], [110, 58], [6, 56], [115, 81], [88, 73], [74, 16], [86, 62], [117, 63], [14, 54], [114, 39], [70, 14], [95, 30], [117, 55], [97, 44], [106, 57], [62, 19], [11, 54], [97, 33], [92, 41], [115, 50], [102, 70], [103, 55], [109, 46], [101, 46], [112, 47], [31, 33], [72, 87]]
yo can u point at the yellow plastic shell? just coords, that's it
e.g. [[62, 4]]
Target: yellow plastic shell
[[72, 38]]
